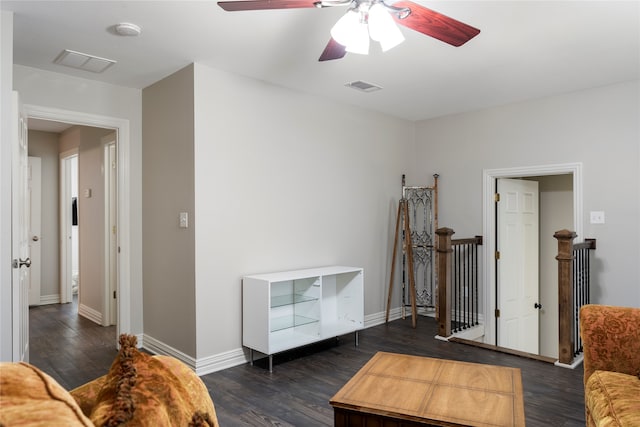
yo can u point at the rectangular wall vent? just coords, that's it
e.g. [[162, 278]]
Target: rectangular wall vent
[[363, 86], [83, 61]]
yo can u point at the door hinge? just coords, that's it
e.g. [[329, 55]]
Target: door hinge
[[497, 254], [496, 197], [114, 294], [497, 312]]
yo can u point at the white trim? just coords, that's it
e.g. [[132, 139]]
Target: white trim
[[158, 347], [206, 365], [66, 269], [221, 361], [124, 189], [238, 356], [108, 141], [91, 314], [50, 299], [376, 319], [576, 361], [489, 177]]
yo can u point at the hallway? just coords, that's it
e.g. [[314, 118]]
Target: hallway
[[70, 348]]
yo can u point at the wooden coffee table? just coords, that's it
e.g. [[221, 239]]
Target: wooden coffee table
[[402, 390]]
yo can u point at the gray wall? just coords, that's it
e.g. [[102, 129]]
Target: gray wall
[[597, 127], [284, 181], [45, 146], [168, 255]]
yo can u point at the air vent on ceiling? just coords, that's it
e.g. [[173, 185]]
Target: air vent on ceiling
[[363, 86], [83, 61]]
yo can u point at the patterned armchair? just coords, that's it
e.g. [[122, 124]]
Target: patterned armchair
[[611, 342], [139, 390]]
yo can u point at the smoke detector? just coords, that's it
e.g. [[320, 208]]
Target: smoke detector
[[127, 29]]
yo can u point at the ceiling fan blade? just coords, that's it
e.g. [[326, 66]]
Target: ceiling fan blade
[[232, 6], [334, 50], [436, 25]]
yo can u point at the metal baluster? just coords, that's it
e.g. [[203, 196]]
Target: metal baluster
[[475, 285]]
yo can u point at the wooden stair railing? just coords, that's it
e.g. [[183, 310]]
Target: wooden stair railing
[[457, 282], [444, 280], [568, 304]]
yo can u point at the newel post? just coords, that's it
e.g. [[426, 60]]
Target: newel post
[[444, 280], [565, 294]]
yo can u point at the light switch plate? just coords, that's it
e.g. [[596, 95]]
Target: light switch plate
[[597, 217], [184, 220]]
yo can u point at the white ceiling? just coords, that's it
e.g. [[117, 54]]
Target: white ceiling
[[526, 49]]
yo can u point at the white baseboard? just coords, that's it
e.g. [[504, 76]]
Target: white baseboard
[[89, 313], [475, 333], [376, 319], [201, 366], [158, 347], [220, 361], [238, 356], [578, 360], [49, 299]]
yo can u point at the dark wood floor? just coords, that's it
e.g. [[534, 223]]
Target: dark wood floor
[[74, 350]]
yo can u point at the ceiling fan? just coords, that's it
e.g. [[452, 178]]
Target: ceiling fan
[[370, 19]]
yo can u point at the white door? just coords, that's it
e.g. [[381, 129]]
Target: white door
[[35, 230], [517, 275], [19, 235]]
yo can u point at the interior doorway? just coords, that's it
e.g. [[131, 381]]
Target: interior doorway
[[123, 152], [87, 225], [556, 181], [517, 264]]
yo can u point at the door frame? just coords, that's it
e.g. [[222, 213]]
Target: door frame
[[35, 205], [122, 128], [489, 177], [110, 309], [66, 268]]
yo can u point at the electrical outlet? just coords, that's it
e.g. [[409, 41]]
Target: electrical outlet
[[597, 217]]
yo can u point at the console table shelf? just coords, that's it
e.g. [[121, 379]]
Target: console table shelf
[[285, 310]]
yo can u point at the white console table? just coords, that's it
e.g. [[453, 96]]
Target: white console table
[[289, 309]]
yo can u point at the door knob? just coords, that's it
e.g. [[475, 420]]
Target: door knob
[[35, 238], [19, 263], [538, 306]]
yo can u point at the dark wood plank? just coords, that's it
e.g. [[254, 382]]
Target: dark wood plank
[[70, 348], [74, 350]]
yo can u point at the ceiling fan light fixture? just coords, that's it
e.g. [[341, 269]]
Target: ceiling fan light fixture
[[341, 31], [351, 32], [360, 40], [383, 28]]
